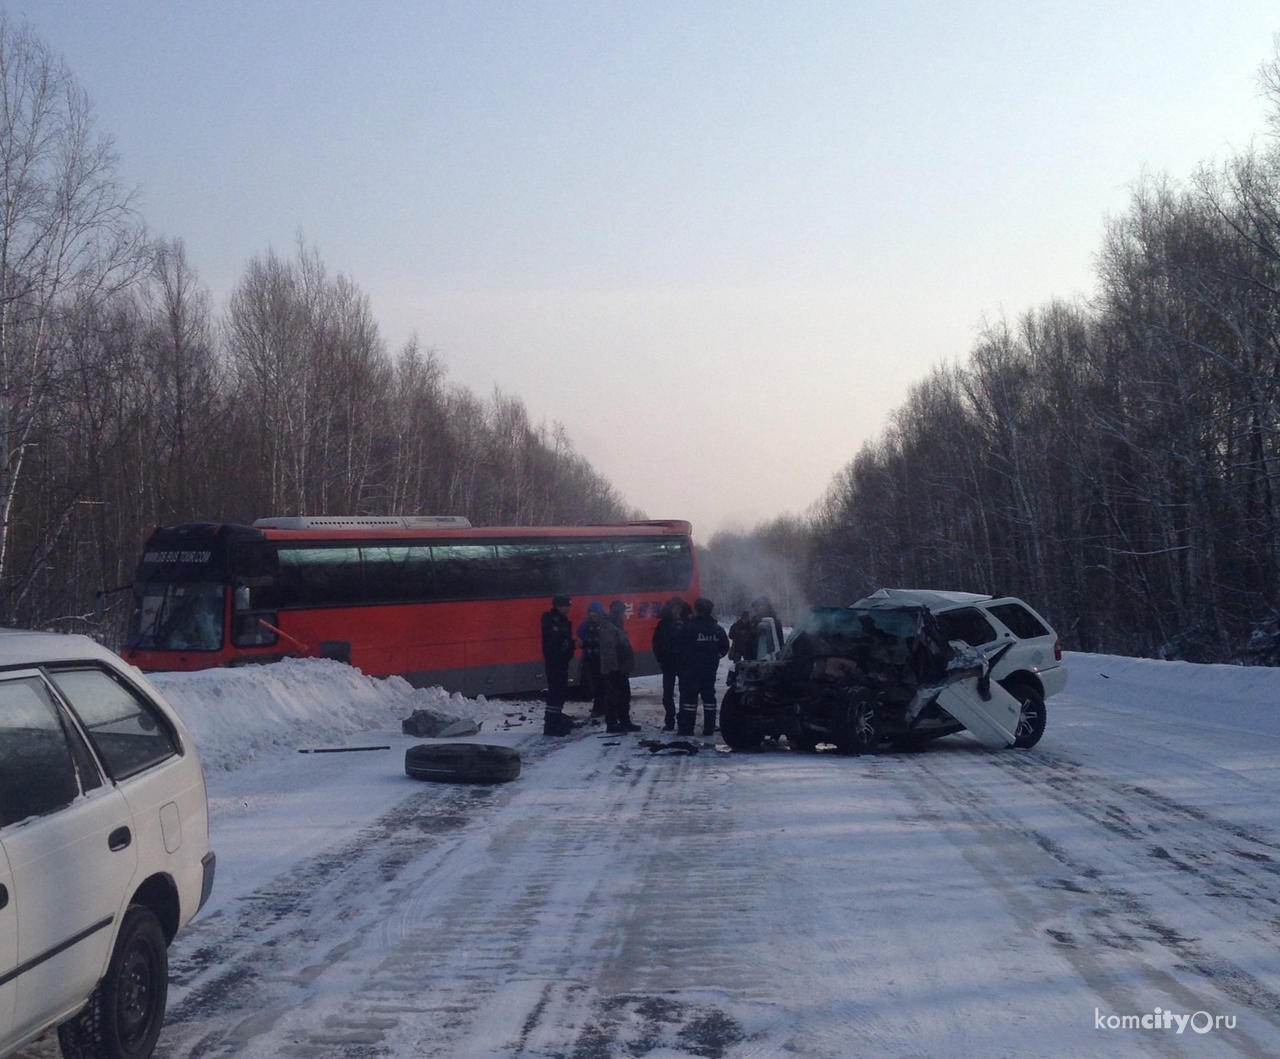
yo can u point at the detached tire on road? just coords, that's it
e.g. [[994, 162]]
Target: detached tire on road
[[462, 763]]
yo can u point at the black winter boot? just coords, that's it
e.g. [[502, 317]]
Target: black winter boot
[[708, 720], [686, 720], [554, 722]]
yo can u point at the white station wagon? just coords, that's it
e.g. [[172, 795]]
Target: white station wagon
[[104, 846]]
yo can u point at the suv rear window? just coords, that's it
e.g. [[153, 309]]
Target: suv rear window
[[967, 624], [128, 733], [1021, 622]]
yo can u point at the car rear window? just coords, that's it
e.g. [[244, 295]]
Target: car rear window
[[37, 770], [127, 731], [1021, 622]]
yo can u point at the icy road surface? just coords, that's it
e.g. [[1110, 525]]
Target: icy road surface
[[955, 902]]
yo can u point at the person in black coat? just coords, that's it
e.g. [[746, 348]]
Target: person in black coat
[[703, 644], [557, 649], [739, 633], [666, 651], [749, 644]]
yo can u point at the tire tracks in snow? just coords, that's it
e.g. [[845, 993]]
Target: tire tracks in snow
[[234, 973], [532, 919], [543, 939], [1103, 891]]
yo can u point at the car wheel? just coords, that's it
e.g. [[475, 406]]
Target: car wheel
[[857, 726], [461, 763], [124, 1014], [1031, 718], [736, 726]]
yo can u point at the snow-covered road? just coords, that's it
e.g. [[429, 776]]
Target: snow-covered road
[[950, 902]]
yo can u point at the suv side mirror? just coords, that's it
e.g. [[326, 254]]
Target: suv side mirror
[[768, 639]]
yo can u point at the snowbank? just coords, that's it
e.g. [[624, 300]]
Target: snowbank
[[1238, 698], [237, 714]]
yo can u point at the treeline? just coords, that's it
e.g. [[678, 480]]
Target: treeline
[[1117, 461], [127, 401], [769, 561]]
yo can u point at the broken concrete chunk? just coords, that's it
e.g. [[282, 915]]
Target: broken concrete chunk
[[458, 728]]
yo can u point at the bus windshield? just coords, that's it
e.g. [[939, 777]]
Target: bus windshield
[[177, 616]]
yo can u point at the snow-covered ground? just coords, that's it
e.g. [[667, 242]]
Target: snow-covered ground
[[950, 902]]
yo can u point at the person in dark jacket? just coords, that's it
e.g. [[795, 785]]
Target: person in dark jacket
[[739, 633], [617, 661], [589, 674], [704, 643], [761, 608], [557, 650], [666, 651]]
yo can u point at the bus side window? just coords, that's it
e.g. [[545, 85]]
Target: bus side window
[[254, 570], [630, 559], [466, 571], [319, 576], [530, 568], [587, 568], [672, 564], [398, 574], [248, 631]]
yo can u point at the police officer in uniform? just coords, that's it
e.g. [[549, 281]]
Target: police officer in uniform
[[667, 645], [704, 644]]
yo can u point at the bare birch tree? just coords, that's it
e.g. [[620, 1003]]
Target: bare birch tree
[[67, 231]]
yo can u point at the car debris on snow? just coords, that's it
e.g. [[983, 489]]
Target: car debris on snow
[[432, 724], [676, 746]]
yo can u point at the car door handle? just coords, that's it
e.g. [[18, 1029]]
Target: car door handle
[[119, 839], [4, 896]]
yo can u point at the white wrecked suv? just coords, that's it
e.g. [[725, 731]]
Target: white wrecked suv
[[104, 847], [900, 666]]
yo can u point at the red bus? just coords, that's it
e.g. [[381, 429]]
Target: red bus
[[428, 598]]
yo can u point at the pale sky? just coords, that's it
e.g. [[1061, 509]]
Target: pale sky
[[717, 241]]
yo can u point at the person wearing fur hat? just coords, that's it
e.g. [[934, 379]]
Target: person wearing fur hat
[[703, 643], [557, 649]]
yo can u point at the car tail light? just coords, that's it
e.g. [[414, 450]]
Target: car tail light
[[1057, 650]]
